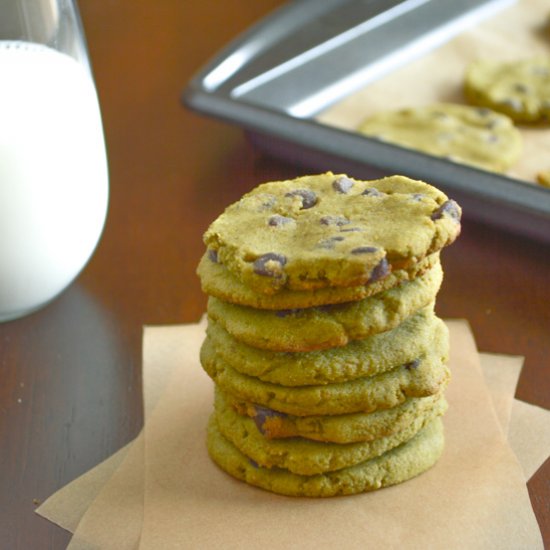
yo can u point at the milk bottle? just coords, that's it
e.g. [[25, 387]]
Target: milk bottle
[[53, 174]]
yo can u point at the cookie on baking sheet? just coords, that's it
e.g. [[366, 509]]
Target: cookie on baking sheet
[[326, 326], [425, 376], [543, 178], [329, 230], [395, 466], [465, 134], [304, 456], [519, 89], [339, 428], [219, 282], [414, 337]]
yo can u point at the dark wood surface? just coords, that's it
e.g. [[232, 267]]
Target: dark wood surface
[[70, 391]]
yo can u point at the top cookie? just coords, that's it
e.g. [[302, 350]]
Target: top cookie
[[330, 230], [519, 89]]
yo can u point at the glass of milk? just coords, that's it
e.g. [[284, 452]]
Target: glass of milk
[[53, 165]]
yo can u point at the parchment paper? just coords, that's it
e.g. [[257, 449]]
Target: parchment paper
[[104, 507], [189, 503], [529, 435], [514, 33], [501, 375], [527, 426]]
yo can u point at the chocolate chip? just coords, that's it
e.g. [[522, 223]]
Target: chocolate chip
[[265, 201], [270, 265], [342, 185], [418, 197], [380, 271], [351, 229], [334, 220], [328, 308], [483, 111], [261, 414], [412, 364], [521, 88], [309, 198], [212, 255], [285, 312], [277, 221], [329, 243], [372, 192], [449, 208], [269, 202], [364, 250], [514, 104]]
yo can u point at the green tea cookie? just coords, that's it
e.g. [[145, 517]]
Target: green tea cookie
[[519, 89], [461, 133], [330, 230], [411, 339], [395, 466], [543, 178], [217, 281], [340, 428], [303, 456], [425, 376], [326, 326]]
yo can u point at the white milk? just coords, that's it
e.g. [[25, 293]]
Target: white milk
[[53, 174]]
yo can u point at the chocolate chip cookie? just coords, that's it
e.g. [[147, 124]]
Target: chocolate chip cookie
[[519, 89], [395, 466], [326, 326], [219, 282], [330, 230], [304, 456], [414, 337], [338, 428], [470, 135], [427, 375], [543, 178]]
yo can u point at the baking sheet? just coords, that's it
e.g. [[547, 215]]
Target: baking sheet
[[295, 88], [520, 31]]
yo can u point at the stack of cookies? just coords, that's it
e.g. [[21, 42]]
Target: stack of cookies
[[328, 360]]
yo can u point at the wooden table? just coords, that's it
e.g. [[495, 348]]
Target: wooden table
[[70, 393]]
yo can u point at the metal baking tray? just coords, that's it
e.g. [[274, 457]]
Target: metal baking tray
[[308, 54]]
